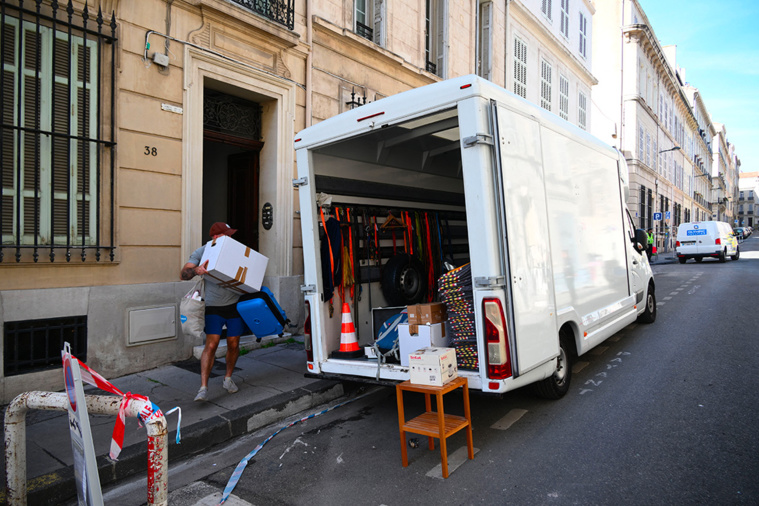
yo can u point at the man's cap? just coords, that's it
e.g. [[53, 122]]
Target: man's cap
[[220, 228]]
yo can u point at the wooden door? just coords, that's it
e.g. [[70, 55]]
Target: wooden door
[[243, 197]]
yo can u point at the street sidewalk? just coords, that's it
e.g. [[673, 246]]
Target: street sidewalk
[[272, 387]]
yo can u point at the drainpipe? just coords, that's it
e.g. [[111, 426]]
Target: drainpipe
[[15, 440], [309, 59]]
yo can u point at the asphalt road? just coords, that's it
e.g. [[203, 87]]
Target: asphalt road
[[659, 414]]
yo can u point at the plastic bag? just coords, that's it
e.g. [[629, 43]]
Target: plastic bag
[[192, 311]]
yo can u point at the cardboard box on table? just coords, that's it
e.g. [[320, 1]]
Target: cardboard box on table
[[433, 366], [234, 266], [412, 337]]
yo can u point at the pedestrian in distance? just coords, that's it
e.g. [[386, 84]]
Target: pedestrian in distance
[[650, 246], [221, 309]]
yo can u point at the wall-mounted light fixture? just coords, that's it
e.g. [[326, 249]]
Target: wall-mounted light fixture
[[670, 149]]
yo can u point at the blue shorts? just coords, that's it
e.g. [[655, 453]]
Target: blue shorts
[[215, 322]]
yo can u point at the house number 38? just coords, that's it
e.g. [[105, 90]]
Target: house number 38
[[151, 151]]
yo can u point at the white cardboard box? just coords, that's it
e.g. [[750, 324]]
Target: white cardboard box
[[234, 266], [433, 366], [433, 334]]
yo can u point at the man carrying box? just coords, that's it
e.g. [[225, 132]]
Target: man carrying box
[[221, 309]]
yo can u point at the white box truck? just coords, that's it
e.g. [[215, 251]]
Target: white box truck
[[477, 175]]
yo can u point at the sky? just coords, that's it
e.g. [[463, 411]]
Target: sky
[[718, 46]]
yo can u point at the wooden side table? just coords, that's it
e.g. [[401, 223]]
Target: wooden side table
[[435, 424]]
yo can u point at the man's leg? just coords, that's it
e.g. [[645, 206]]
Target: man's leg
[[233, 352], [208, 357]]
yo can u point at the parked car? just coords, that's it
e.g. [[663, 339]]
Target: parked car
[[740, 233]]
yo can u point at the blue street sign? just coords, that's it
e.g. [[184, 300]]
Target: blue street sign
[[657, 216], [669, 215]]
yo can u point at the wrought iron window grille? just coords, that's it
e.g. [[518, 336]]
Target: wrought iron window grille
[[431, 67], [231, 115], [279, 11], [356, 102], [35, 345], [364, 31], [57, 154]]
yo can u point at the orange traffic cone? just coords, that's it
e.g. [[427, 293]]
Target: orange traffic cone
[[348, 343]]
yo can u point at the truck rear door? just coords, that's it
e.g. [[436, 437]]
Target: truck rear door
[[525, 236]]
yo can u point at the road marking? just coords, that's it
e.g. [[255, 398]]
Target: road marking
[[673, 293], [660, 304], [455, 460], [510, 419], [667, 298]]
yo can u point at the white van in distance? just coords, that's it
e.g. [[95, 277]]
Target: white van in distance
[[467, 173], [706, 239]]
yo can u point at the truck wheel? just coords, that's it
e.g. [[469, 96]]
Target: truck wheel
[[699, 259], [403, 280], [683, 260], [723, 256], [557, 385], [737, 254], [649, 315]]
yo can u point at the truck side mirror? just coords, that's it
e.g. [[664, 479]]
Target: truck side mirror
[[641, 240]]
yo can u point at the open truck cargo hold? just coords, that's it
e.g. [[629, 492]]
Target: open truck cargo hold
[[531, 206]]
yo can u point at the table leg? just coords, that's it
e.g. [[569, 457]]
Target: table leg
[[428, 408], [401, 422], [441, 428], [468, 416]]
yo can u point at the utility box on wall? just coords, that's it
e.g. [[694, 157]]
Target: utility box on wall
[[151, 324]]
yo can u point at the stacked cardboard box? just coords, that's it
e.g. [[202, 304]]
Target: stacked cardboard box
[[426, 327], [234, 266]]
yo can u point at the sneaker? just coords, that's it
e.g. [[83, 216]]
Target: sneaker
[[230, 386], [202, 394]]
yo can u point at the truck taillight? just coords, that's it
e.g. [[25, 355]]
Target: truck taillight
[[718, 241], [677, 244], [496, 338], [307, 334]]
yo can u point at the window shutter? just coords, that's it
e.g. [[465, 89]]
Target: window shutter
[[379, 22], [485, 56], [441, 26]]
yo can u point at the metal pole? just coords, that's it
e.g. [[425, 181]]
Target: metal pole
[[15, 440]]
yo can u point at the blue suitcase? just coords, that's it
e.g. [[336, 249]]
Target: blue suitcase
[[262, 313]]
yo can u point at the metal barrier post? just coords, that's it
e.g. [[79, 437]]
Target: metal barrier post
[[15, 440]]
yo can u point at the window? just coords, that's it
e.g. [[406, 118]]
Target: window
[[55, 186], [642, 207], [648, 149], [545, 8], [563, 97], [751, 194], [35, 345], [435, 47], [741, 195], [565, 18], [520, 67], [485, 47], [545, 85], [583, 35], [370, 18], [641, 146], [582, 108]]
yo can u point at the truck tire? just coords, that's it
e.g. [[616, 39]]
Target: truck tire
[[683, 260], [737, 254], [723, 256], [403, 280], [557, 385], [649, 315]]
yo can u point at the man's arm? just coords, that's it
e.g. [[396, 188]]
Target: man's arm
[[190, 270]]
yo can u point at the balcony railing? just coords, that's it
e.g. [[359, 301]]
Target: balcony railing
[[279, 11]]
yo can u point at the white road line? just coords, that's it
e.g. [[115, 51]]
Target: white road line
[[510, 419], [455, 460]]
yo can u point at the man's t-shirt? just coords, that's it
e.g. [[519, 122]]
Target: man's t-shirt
[[215, 295]]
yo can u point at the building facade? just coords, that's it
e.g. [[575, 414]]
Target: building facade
[[748, 199], [126, 132]]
